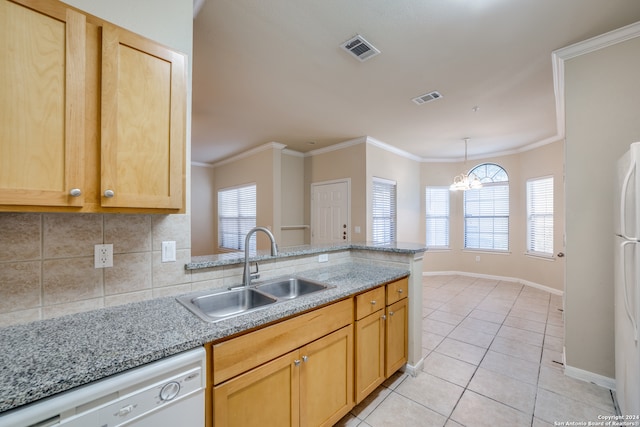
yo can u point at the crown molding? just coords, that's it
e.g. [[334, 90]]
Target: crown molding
[[250, 152], [293, 153], [202, 165], [335, 147], [392, 149], [559, 56]]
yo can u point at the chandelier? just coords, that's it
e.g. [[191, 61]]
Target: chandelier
[[464, 182]]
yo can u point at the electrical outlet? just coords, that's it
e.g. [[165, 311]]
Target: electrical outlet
[[323, 258], [477, 258], [169, 251], [103, 256]]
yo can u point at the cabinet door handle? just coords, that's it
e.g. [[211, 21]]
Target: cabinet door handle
[[296, 362], [75, 192], [400, 290], [305, 358], [109, 194], [383, 317], [373, 302]]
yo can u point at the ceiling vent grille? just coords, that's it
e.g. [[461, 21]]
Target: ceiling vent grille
[[360, 48], [427, 97]]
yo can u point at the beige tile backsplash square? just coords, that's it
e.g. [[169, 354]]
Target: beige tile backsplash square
[[20, 237], [20, 285], [131, 233], [70, 235], [70, 279]]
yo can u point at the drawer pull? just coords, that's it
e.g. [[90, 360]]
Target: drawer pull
[[391, 313], [373, 302], [400, 290]]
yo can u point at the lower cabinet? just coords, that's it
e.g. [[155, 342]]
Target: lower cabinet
[[311, 369], [310, 386], [396, 336], [381, 335]]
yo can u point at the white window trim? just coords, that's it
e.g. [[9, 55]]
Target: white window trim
[[537, 254], [219, 240], [394, 209], [439, 247]]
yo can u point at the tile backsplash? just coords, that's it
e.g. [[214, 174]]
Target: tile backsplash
[[47, 267], [47, 263]]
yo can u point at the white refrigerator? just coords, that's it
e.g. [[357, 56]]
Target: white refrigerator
[[627, 281]]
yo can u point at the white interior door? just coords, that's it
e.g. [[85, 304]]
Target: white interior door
[[330, 212]]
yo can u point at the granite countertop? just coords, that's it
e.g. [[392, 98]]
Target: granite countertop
[[42, 358], [209, 261]]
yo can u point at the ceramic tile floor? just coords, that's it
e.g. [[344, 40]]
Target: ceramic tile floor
[[491, 359]]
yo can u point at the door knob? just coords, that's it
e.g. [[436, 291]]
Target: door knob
[[560, 254]]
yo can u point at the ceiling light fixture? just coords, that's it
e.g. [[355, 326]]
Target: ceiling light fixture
[[464, 182]]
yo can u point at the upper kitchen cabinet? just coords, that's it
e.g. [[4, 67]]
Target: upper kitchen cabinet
[[92, 116], [42, 99], [143, 122]]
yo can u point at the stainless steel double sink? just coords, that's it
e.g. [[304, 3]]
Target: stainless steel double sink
[[215, 306]]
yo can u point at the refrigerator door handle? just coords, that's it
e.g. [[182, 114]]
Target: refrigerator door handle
[[623, 201], [634, 322]]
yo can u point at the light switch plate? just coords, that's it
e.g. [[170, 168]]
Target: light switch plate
[[103, 255], [169, 251]]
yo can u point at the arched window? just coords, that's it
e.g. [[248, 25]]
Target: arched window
[[486, 210]]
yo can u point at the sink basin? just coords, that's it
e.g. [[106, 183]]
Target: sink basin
[[223, 305], [291, 287]]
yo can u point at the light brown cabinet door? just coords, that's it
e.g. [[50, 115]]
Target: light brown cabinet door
[[397, 336], [369, 354], [326, 379], [142, 122], [42, 99], [267, 396]]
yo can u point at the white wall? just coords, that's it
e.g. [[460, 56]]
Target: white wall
[[602, 96], [543, 161], [203, 207], [406, 173]]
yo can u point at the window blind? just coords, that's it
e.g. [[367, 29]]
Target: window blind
[[486, 217], [236, 216], [437, 217], [540, 215], [384, 211]]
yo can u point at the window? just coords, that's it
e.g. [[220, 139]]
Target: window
[[384, 211], [486, 210], [437, 213], [236, 216], [540, 216]]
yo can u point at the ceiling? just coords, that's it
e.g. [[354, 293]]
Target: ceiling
[[274, 71]]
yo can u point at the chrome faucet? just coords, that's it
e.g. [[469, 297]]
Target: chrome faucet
[[246, 276]]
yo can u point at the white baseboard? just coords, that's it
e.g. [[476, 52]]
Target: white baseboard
[[492, 277], [590, 377], [414, 369]]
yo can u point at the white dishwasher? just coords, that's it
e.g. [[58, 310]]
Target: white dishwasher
[[166, 393]]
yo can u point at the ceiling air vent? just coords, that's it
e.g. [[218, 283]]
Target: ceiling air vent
[[427, 97], [360, 48]]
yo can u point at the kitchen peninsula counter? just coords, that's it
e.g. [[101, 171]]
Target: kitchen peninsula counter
[[43, 358]]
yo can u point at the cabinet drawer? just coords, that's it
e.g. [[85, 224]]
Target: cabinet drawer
[[397, 290], [369, 302], [238, 355]]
